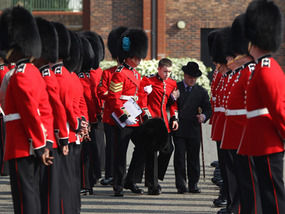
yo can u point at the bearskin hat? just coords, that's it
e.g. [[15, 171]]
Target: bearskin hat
[[211, 37], [49, 40], [238, 41], [18, 29], [102, 54], [133, 43], [74, 61], [263, 25], [63, 40], [96, 44], [155, 133], [221, 45], [87, 54], [113, 38]]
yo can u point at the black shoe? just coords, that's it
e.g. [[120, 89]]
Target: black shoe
[[215, 163], [194, 189], [225, 211], [181, 190], [86, 191], [134, 188], [154, 190], [219, 202], [118, 193], [106, 181]]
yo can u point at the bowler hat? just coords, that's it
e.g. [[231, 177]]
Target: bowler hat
[[192, 69]]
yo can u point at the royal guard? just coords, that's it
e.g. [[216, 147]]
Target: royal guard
[[87, 156], [75, 123], [102, 91], [96, 134], [264, 132], [27, 109], [124, 86], [154, 93], [73, 63], [219, 53], [49, 175]]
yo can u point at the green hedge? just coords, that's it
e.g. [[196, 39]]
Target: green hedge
[[148, 67]]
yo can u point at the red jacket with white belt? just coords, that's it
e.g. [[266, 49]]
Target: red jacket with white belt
[[26, 107], [264, 131]]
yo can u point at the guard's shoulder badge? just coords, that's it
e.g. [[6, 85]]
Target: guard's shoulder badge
[[58, 70], [265, 62], [119, 68], [251, 67], [81, 75], [87, 75], [1, 67], [46, 72], [21, 68]]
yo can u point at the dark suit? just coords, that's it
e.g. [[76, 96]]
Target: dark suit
[[187, 137]]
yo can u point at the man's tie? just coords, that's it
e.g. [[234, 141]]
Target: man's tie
[[188, 88]]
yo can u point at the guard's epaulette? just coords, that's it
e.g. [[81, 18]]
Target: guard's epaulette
[[265, 62], [119, 68], [21, 68], [57, 70], [251, 67], [81, 75], [2, 67], [46, 72]]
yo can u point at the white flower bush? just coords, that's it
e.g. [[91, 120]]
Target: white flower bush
[[149, 67]]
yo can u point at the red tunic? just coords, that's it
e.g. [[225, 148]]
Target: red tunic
[[216, 78], [125, 83], [102, 92], [156, 101], [221, 96], [26, 107], [95, 77], [86, 84], [60, 123], [265, 105], [235, 109], [3, 70], [66, 95]]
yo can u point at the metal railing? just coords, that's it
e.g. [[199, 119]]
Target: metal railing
[[44, 5]]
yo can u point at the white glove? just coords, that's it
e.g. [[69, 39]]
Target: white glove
[[131, 121], [148, 89]]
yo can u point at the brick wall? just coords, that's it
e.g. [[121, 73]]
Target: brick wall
[[203, 14], [108, 14]]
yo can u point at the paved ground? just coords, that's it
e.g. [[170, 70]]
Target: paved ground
[[168, 202]]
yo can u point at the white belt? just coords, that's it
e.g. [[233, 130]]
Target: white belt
[[11, 117], [235, 112], [257, 112], [219, 109], [125, 97]]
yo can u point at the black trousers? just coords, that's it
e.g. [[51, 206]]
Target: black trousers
[[4, 166], [94, 147], [186, 149], [221, 159], [66, 182], [249, 194], [86, 165], [123, 136], [230, 180], [24, 179], [269, 171], [49, 185], [109, 150], [157, 163]]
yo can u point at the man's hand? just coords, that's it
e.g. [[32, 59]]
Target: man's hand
[[64, 150], [46, 159], [174, 125], [175, 94], [201, 118]]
